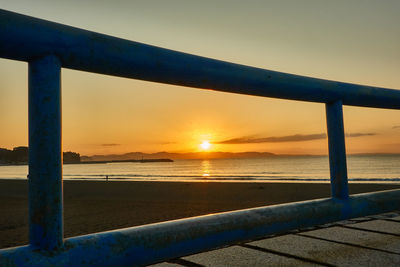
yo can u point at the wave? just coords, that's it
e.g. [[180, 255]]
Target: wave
[[217, 178], [172, 175]]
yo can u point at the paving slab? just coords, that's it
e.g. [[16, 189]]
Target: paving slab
[[343, 222], [358, 237], [377, 217], [360, 219], [240, 256], [380, 225], [328, 252], [166, 264], [391, 214]]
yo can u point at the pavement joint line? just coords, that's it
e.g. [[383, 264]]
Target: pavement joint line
[[287, 255], [185, 263], [348, 244], [369, 230]]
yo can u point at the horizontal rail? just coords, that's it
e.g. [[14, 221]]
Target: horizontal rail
[[161, 241], [26, 38]]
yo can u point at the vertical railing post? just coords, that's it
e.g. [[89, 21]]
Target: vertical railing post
[[45, 154], [337, 150]]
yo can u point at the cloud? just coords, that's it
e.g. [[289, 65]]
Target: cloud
[[281, 139], [359, 134], [167, 143], [273, 139], [110, 144]]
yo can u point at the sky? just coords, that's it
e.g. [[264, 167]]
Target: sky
[[350, 41]]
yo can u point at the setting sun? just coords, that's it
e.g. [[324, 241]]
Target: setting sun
[[205, 145]]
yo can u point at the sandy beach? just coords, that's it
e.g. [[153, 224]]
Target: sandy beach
[[93, 206]]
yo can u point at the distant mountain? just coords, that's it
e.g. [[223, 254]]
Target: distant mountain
[[164, 155]]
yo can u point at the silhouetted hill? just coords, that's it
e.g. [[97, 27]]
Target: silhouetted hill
[[19, 155]]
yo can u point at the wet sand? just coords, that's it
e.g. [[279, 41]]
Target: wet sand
[[91, 206]]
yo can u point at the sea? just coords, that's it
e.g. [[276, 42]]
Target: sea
[[361, 168]]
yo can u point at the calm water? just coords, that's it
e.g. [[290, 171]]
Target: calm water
[[305, 168]]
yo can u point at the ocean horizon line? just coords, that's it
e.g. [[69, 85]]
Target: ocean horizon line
[[210, 155]]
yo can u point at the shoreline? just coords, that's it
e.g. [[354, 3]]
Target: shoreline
[[94, 206], [378, 181]]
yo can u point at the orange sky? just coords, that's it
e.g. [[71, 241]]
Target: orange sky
[[338, 40]]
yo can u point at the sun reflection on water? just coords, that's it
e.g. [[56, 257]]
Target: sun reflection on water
[[205, 168]]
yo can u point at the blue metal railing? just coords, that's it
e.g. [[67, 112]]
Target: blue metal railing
[[48, 47]]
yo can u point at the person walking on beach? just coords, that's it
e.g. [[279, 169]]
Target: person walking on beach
[[107, 178]]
